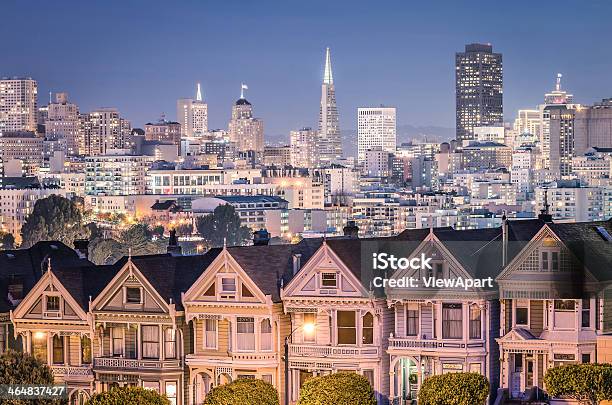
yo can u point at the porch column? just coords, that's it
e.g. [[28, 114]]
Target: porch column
[[465, 309], [483, 322], [138, 342], [438, 320], [391, 381], [162, 347], [536, 369], [66, 342], [257, 330]]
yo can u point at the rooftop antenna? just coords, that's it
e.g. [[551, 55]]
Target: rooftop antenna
[[546, 209], [243, 87], [558, 85], [199, 92]]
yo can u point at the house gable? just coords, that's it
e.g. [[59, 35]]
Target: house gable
[[325, 275]]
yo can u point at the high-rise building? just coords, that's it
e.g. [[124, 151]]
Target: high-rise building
[[163, 131], [104, 130], [593, 126], [63, 123], [192, 115], [376, 128], [18, 99], [244, 130], [330, 141], [562, 135], [528, 121], [479, 89], [304, 151]]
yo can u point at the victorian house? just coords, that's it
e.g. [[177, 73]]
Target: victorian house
[[555, 304], [338, 321]]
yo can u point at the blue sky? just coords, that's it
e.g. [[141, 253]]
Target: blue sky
[[140, 56]]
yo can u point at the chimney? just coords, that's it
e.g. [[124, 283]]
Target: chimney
[[261, 237], [351, 230], [297, 263], [504, 240], [545, 212], [81, 247], [173, 247]]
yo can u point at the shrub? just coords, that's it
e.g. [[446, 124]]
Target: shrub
[[128, 396], [588, 383], [22, 368], [454, 389], [337, 389], [243, 391]]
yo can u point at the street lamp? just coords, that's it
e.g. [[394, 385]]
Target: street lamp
[[307, 328]]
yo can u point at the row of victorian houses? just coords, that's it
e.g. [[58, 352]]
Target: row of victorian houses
[[181, 325]]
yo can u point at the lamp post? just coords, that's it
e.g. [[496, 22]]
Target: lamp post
[[308, 328]]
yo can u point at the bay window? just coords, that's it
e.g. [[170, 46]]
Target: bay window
[[245, 330], [309, 318], [117, 341], [150, 341], [475, 322], [85, 350], [266, 335], [210, 333], [412, 322], [170, 343], [347, 329], [452, 321], [367, 330], [58, 349]]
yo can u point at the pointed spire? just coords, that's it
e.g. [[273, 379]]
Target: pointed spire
[[199, 93], [558, 85], [328, 78], [243, 87]]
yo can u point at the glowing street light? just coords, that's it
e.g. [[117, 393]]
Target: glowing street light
[[308, 328]]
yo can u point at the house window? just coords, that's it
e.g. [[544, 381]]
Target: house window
[[439, 270], [452, 321], [150, 341], [347, 330], [586, 357], [412, 322], [132, 295], [266, 335], [369, 374], [309, 318], [565, 305], [367, 329], [85, 350], [245, 330], [228, 287], [171, 391], [58, 349], [586, 313], [151, 385], [555, 261], [210, 333], [329, 280], [117, 341], [39, 346], [545, 261], [475, 322], [170, 343], [52, 303], [522, 313], [267, 378]]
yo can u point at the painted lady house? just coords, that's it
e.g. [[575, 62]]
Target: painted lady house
[[351, 321], [235, 316], [445, 330], [553, 308]]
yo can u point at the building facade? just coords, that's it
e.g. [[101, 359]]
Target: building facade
[[330, 140], [376, 129], [18, 104]]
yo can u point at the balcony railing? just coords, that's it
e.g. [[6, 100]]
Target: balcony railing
[[414, 343], [332, 351], [72, 371], [133, 364]]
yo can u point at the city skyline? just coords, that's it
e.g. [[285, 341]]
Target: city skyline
[[285, 64]]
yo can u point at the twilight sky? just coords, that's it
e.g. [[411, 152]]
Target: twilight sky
[[140, 56]]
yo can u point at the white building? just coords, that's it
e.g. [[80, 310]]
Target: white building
[[339, 182], [569, 202], [304, 151], [18, 97], [376, 163], [192, 115], [244, 130], [63, 122], [330, 140], [528, 121], [376, 129], [521, 172], [490, 134], [104, 130], [116, 174]]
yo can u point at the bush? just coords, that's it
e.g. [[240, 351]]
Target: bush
[[243, 391], [22, 368], [337, 389], [454, 389], [128, 396], [590, 383]]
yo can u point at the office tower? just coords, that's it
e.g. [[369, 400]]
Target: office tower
[[103, 131], [163, 131], [304, 151], [376, 128], [479, 94], [330, 142], [561, 118], [192, 115], [528, 121], [21, 152], [593, 126], [63, 123], [244, 130], [18, 98]]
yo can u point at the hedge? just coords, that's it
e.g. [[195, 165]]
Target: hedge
[[22, 368], [454, 389], [337, 389], [590, 383], [243, 391], [128, 396]]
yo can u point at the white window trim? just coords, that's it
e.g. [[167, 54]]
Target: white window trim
[[337, 286], [516, 306], [204, 342], [219, 288], [46, 295]]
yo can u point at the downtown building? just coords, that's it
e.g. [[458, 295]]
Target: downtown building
[[376, 129], [18, 104], [104, 130], [63, 122], [304, 148], [330, 140], [244, 130], [182, 325], [192, 115]]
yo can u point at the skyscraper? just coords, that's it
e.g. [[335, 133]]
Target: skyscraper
[[104, 130], [244, 130], [330, 142], [479, 89], [18, 98], [376, 129], [63, 123], [304, 151], [192, 115]]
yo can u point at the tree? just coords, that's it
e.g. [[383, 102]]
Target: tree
[[128, 396], [587, 383], [337, 389], [139, 238], [7, 241], [22, 368], [105, 251], [158, 230], [53, 218], [184, 229], [223, 225], [243, 391], [454, 389]]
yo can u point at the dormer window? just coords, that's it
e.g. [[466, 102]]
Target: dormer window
[[133, 295], [52, 303], [228, 288], [329, 280], [549, 260]]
